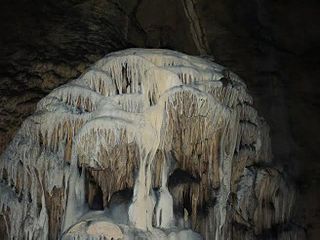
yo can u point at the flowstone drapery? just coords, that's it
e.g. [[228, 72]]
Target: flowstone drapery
[[148, 144]]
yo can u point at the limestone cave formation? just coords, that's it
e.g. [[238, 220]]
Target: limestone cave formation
[[147, 144], [159, 119]]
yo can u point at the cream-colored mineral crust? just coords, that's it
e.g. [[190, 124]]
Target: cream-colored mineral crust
[[147, 144]]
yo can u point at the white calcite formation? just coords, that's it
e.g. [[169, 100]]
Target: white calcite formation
[[148, 144]]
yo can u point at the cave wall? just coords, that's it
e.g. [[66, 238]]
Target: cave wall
[[274, 45]]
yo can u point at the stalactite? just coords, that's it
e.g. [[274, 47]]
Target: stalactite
[[149, 144]]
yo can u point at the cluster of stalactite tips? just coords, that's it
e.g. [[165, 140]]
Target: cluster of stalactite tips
[[147, 144]]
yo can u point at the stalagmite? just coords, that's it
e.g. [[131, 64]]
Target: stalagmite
[[148, 144], [164, 209]]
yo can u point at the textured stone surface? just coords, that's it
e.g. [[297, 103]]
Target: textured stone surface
[[180, 131], [274, 45]]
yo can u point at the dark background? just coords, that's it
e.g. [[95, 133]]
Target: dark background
[[273, 44]]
